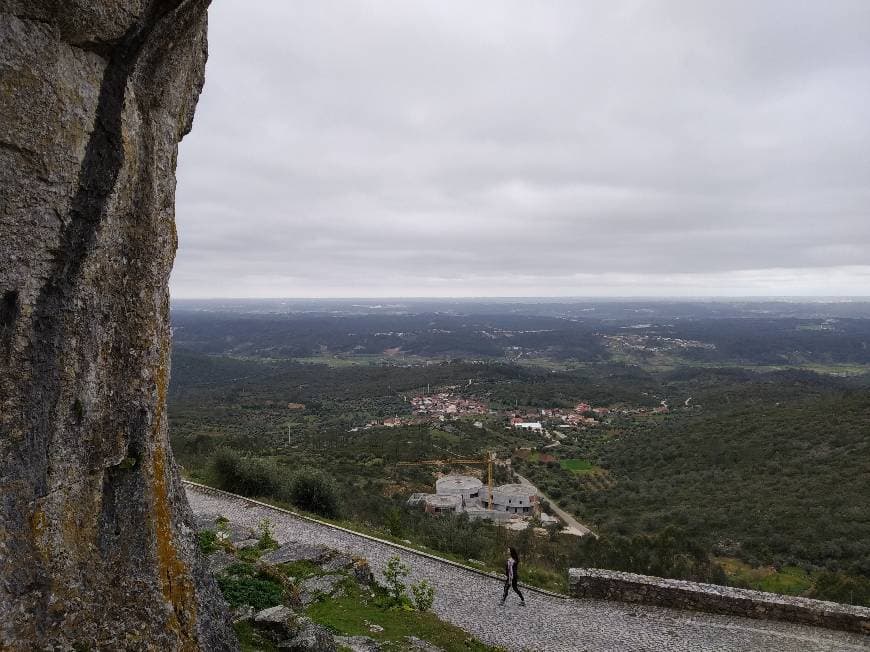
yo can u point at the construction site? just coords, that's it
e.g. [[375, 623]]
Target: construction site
[[465, 494]]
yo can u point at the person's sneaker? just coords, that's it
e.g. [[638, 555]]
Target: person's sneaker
[[522, 603]]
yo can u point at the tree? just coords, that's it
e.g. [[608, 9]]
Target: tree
[[424, 595], [315, 492], [395, 573]]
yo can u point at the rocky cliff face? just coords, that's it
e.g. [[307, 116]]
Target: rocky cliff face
[[96, 541]]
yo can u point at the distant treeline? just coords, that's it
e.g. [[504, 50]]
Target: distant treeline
[[744, 340]]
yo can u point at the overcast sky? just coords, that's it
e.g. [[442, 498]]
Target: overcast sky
[[456, 148]]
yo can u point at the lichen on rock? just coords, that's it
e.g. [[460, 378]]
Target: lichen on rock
[[96, 538]]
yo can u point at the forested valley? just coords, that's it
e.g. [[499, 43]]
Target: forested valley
[[756, 472]]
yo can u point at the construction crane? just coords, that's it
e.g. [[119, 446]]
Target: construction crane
[[487, 460]]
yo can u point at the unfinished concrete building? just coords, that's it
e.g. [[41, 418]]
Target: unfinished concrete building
[[468, 495], [438, 504], [465, 486], [521, 499]]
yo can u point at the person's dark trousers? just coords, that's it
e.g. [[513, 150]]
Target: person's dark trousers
[[507, 587]]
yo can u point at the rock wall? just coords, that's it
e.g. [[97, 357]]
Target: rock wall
[[96, 537], [629, 587]]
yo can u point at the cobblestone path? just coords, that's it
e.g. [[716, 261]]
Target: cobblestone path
[[470, 601]]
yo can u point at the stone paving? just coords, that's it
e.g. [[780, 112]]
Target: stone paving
[[548, 624]]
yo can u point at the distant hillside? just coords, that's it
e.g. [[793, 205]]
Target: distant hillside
[[655, 336], [758, 475]]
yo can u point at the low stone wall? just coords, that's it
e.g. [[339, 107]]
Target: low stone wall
[[630, 587]]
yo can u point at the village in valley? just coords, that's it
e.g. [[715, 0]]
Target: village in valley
[[518, 504], [448, 404]]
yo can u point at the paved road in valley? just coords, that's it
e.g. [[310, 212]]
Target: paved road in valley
[[548, 624], [571, 522]]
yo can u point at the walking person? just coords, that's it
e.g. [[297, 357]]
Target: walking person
[[511, 569]]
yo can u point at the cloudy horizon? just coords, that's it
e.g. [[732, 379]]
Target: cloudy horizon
[[446, 149]]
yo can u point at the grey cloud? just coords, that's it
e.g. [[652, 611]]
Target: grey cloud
[[504, 148]]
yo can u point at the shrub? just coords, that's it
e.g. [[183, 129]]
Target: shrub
[[223, 533], [225, 465], [424, 595], [250, 555], [669, 553], [249, 477], [838, 587], [393, 521], [315, 492], [395, 573], [241, 584], [266, 541], [207, 540]]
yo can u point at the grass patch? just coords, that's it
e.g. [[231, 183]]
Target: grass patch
[[544, 578], [250, 555], [789, 580], [545, 363], [352, 614], [301, 569], [242, 584], [578, 466], [250, 640]]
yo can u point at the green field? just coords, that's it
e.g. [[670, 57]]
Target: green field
[[789, 580], [577, 465], [356, 359]]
